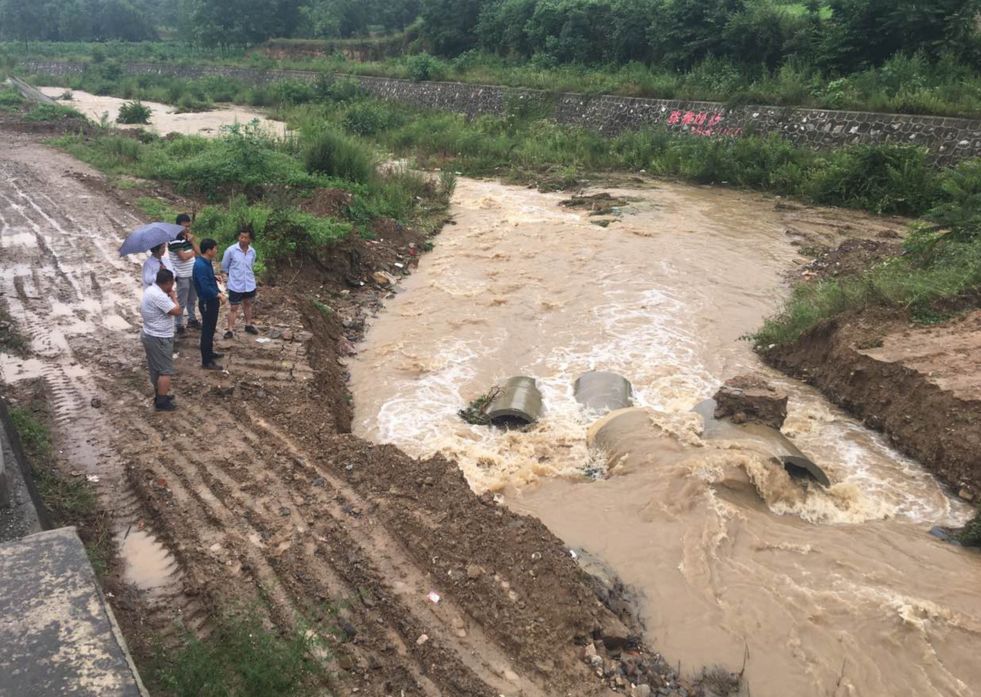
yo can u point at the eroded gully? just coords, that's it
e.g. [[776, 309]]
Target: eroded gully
[[822, 592]]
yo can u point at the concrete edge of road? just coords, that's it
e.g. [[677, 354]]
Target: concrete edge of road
[[20, 502], [28, 542]]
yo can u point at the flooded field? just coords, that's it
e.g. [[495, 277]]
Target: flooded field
[[164, 118], [822, 592]]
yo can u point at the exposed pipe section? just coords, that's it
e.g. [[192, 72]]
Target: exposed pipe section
[[519, 403], [601, 391], [783, 450]]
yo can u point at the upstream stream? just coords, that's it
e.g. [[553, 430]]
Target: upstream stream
[[837, 592]]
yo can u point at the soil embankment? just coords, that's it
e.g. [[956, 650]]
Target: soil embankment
[[251, 489], [921, 386]]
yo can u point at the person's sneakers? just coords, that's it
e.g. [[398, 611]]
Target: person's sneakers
[[211, 365], [228, 334], [165, 403], [250, 328], [194, 323], [216, 354]]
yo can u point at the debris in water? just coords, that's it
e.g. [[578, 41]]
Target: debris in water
[[476, 412]]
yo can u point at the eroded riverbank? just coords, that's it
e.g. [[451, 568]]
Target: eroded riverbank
[[824, 589]]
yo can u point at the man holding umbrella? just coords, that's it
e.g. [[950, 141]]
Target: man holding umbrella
[[157, 260]]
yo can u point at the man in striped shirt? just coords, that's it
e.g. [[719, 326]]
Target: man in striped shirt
[[182, 253]]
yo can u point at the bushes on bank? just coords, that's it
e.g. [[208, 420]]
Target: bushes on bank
[[134, 112], [332, 154]]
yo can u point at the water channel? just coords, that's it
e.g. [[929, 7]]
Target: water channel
[[836, 592]]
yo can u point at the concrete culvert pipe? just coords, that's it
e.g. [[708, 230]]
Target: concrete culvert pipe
[[772, 441], [602, 391], [519, 403]]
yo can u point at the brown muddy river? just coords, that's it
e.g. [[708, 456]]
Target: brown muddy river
[[837, 592]]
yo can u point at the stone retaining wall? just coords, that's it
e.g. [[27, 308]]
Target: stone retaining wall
[[947, 139]]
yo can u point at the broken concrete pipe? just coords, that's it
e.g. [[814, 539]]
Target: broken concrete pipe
[[519, 403], [773, 442], [601, 391]]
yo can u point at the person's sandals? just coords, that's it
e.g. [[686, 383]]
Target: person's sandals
[[228, 334], [211, 365], [194, 324], [250, 328], [216, 354]]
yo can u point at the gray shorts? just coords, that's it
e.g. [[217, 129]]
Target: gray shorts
[[159, 356]]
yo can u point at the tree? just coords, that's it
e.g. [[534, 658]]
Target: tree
[[450, 26], [684, 32]]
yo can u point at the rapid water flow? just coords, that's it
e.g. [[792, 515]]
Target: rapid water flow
[[837, 592]]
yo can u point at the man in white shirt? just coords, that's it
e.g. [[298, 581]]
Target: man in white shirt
[[158, 309], [157, 260]]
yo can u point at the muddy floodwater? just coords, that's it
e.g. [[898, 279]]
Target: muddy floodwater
[[164, 117], [821, 592]]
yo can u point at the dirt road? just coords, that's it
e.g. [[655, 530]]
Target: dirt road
[[251, 489]]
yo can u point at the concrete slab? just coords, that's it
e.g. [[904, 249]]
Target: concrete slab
[[57, 633]]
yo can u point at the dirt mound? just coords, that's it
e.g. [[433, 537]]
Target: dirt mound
[[851, 257], [921, 386]]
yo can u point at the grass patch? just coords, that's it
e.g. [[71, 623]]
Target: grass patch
[[970, 534], [914, 283], [53, 113], [70, 500], [156, 208], [242, 658]]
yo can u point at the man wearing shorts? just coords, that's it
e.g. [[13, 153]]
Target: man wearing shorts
[[237, 267], [158, 309], [182, 253]]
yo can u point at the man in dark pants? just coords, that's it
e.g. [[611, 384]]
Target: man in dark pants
[[210, 298]]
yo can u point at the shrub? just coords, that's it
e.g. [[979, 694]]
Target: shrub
[[134, 112], [335, 155], [368, 118], [422, 67], [970, 534]]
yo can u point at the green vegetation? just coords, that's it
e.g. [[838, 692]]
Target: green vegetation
[[242, 658], [914, 56], [11, 100], [970, 534], [939, 272], [53, 112], [251, 179], [69, 500], [134, 112]]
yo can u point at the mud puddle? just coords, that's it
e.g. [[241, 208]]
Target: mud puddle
[[164, 118], [830, 592]]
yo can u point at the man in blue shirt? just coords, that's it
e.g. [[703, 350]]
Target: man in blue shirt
[[236, 265], [210, 299]]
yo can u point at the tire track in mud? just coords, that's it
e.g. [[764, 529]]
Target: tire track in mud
[[74, 321]]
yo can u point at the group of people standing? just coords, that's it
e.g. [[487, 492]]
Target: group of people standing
[[180, 274]]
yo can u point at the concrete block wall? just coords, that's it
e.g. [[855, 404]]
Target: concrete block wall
[[948, 140]]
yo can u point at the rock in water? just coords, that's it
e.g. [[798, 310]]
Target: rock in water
[[750, 399]]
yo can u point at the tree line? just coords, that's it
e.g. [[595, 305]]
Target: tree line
[[837, 35]]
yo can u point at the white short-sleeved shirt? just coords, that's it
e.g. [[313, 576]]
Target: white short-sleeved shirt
[[154, 308], [151, 266]]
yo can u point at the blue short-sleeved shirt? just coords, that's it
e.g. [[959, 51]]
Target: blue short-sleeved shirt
[[238, 265]]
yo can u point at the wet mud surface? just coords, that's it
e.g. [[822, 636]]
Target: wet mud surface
[[251, 488]]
